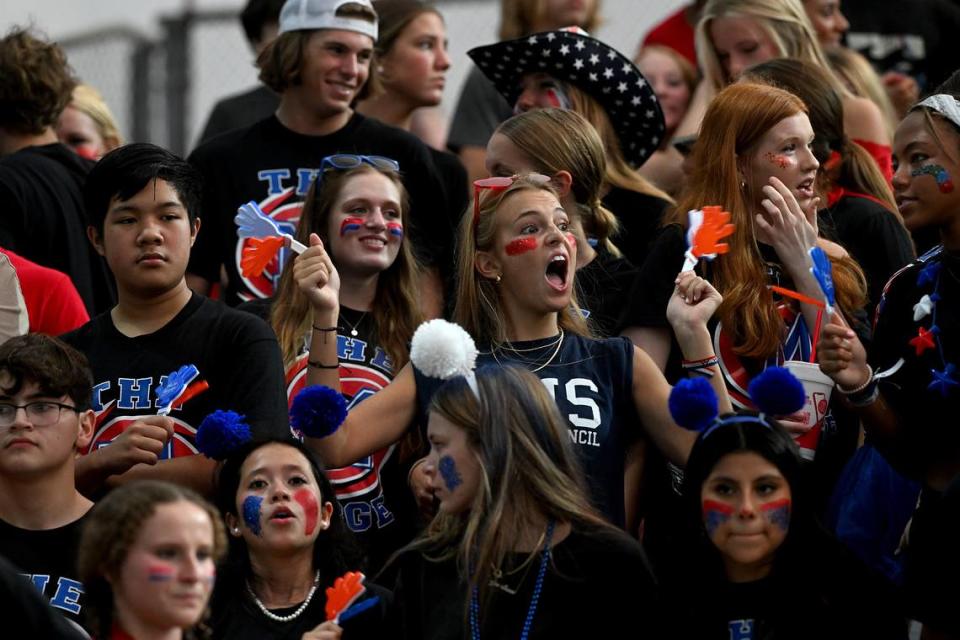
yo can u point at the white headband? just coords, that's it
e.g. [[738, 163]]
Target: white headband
[[944, 104]]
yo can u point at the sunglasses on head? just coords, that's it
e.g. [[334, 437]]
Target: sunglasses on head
[[345, 161], [500, 183]]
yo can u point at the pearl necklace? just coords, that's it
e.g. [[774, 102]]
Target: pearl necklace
[[295, 614]]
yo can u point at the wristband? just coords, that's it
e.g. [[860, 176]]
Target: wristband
[[866, 397], [316, 364], [703, 363]]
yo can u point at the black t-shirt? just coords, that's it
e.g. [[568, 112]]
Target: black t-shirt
[[479, 111], [640, 216], [918, 41], [933, 560], [597, 585], [873, 235], [237, 617], [28, 613], [48, 560], [43, 218], [378, 507], [602, 287], [235, 353], [592, 383], [274, 166], [240, 110], [926, 410]]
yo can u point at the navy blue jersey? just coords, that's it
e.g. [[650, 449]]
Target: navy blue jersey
[[592, 382]]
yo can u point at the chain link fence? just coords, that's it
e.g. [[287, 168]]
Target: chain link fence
[[162, 90]]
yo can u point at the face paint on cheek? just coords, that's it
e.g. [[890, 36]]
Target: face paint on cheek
[[521, 245], [777, 160], [159, 572], [349, 225], [311, 509], [395, 229], [209, 578], [251, 513], [558, 99], [944, 183], [715, 514], [778, 513], [571, 239], [448, 471]]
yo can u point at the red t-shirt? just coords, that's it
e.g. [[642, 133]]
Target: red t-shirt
[[53, 304], [675, 32]]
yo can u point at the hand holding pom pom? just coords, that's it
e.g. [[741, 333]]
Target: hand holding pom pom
[[318, 411], [220, 433], [443, 350], [777, 392], [693, 404]]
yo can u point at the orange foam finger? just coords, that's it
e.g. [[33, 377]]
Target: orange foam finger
[[345, 590], [258, 254]]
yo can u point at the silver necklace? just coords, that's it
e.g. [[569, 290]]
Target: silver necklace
[[353, 327], [295, 614]]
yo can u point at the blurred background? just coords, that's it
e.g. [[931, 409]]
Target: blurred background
[[162, 64]]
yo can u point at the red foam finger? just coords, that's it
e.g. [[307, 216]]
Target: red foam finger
[[345, 590], [258, 254]]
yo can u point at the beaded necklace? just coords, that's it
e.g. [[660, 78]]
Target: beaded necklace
[[944, 380], [537, 588]]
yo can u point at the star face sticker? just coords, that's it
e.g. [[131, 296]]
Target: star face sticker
[[943, 381], [924, 340], [928, 274], [923, 308]]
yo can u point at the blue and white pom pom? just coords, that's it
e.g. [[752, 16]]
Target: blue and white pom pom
[[220, 433], [777, 392], [693, 404], [318, 411], [444, 350]]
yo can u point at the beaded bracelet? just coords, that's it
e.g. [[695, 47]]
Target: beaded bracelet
[[850, 392], [316, 364], [316, 328]]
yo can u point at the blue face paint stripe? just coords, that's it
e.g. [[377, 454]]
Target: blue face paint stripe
[[251, 513], [448, 471]]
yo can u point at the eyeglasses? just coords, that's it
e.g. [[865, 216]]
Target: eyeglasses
[[41, 413], [500, 183], [345, 161]]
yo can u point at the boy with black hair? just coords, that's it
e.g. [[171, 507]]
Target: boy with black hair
[[142, 206], [41, 179], [320, 64], [45, 420], [260, 20]]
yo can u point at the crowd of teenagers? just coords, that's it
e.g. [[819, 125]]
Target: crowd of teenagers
[[653, 347]]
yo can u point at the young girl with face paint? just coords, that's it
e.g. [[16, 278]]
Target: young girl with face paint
[[516, 546], [907, 389], [147, 562], [288, 543], [516, 298], [358, 208], [758, 565]]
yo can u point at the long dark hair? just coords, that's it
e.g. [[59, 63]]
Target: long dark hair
[[334, 552]]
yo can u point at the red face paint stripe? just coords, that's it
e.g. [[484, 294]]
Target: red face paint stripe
[[395, 229], [311, 509], [521, 245], [159, 573], [776, 504], [571, 239], [722, 507], [350, 224]]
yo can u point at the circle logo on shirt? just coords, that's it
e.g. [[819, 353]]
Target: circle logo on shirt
[[357, 383]]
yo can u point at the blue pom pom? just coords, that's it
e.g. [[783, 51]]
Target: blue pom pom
[[693, 403], [318, 411], [220, 433], [777, 392]]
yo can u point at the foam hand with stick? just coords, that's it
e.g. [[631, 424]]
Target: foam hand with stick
[[176, 389], [822, 270], [706, 228], [265, 237], [344, 592]]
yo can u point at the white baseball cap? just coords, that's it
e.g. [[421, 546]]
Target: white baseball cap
[[307, 15]]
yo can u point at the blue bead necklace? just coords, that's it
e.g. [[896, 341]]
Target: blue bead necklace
[[537, 588]]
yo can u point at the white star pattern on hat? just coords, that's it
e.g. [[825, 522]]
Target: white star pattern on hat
[[564, 49], [635, 101], [551, 37], [593, 76], [532, 40], [608, 73], [594, 58], [578, 64], [611, 54], [580, 45], [622, 87]]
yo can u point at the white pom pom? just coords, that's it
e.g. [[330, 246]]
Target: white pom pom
[[442, 349]]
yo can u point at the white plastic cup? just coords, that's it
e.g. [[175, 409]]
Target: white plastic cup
[[818, 387]]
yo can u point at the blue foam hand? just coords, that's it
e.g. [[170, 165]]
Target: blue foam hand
[[822, 270], [173, 385], [252, 222]]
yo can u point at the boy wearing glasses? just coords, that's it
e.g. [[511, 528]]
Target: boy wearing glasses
[[45, 420], [142, 203], [320, 65]]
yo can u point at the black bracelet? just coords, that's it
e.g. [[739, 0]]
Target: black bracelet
[[316, 364], [316, 328]]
